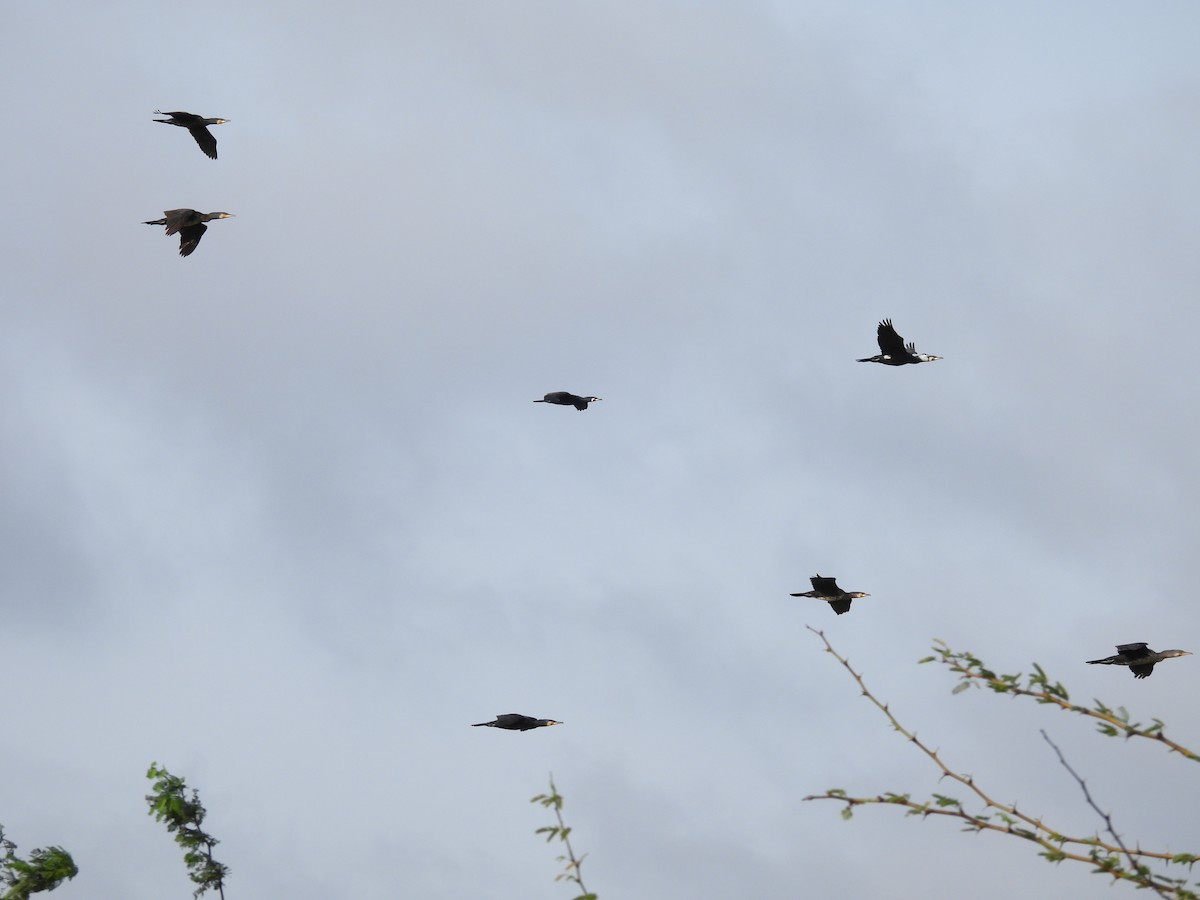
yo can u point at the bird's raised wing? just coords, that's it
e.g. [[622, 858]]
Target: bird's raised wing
[[825, 586], [890, 343], [186, 119], [1133, 651], [176, 219]]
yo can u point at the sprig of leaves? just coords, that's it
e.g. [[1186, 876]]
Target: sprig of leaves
[[571, 871], [973, 673]]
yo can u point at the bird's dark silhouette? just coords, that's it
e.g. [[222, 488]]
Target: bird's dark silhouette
[[827, 589], [188, 224], [197, 126], [1140, 658], [893, 351], [563, 398], [516, 722]]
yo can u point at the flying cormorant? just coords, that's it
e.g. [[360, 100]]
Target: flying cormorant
[[516, 722], [197, 125], [563, 398], [189, 224], [827, 589], [1139, 658], [893, 351]]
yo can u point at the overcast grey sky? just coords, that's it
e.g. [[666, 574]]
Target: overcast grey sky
[[282, 517]]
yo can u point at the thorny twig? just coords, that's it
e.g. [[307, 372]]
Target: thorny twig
[[1087, 795]]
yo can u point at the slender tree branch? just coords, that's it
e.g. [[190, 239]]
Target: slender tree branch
[[183, 815]]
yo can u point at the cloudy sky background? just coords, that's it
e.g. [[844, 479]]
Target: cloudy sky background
[[282, 517]]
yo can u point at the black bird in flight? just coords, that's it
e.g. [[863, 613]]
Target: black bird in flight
[[189, 224], [1138, 657], [563, 398], [827, 589], [197, 125], [893, 351], [516, 722]]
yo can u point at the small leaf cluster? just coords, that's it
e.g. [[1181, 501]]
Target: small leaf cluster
[[46, 869]]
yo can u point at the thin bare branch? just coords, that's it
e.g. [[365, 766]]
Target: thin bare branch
[[1108, 824]]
